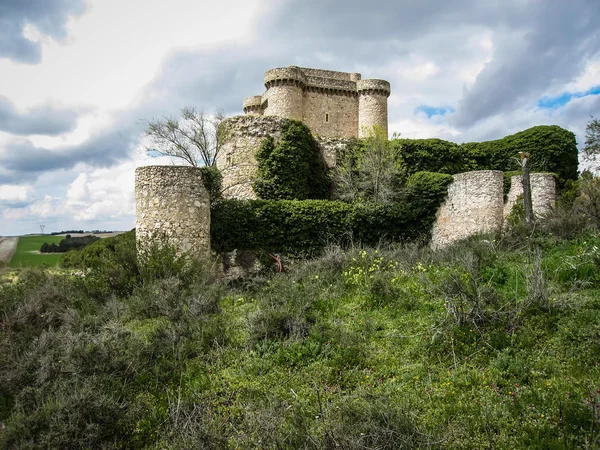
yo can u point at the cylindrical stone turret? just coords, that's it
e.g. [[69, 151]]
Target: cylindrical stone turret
[[474, 205], [372, 105], [253, 105], [285, 89], [172, 204]]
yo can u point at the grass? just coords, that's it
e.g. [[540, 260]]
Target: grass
[[476, 346], [26, 255]]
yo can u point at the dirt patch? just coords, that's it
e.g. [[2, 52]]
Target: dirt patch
[[8, 247]]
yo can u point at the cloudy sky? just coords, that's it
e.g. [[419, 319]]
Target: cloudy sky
[[78, 78]]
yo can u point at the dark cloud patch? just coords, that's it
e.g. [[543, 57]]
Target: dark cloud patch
[[48, 16], [22, 161], [359, 21], [45, 119], [552, 48]]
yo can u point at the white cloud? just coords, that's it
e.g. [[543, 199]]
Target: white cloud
[[15, 193]]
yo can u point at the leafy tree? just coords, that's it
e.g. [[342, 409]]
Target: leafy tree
[[196, 138]]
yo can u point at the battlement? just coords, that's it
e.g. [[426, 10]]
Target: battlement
[[330, 103]]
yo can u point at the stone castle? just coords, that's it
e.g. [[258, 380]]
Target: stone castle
[[338, 107], [332, 104]]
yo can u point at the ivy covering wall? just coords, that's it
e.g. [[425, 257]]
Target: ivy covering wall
[[292, 168], [303, 227], [552, 148]]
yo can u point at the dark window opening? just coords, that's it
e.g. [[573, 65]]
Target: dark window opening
[[326, 117]]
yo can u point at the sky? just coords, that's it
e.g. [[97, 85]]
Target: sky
[[79, 78]]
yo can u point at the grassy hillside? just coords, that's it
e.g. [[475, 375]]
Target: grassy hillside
[[27, 254], [485, 345]]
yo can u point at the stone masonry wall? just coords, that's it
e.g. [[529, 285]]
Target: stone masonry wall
[[341, 110], [475, 204], [172, 203], [330, 103], [543, 193], [285, 101], [331, 148], [237, 158], [372, 110]]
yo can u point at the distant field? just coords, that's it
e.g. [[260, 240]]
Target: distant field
[[27, 248]]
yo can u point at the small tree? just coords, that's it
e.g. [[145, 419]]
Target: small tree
[[196, 137], [592, 139], [373, 172]]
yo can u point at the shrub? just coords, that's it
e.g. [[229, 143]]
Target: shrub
[[292, 168], [552, 148], [433, 155], [308, 226]]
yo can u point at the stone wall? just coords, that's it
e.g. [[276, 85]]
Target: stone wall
[[285, 100], [331, 148], [475, 204], [172, 203], [543, 193], [237, 158], [331, 115]]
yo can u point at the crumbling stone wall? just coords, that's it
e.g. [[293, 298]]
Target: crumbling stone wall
[[237, 157], [172, 203], [332, 148], [543, 193], [475, 204]]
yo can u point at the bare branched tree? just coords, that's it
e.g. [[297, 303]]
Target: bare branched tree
[[196, 137], [591, 150]]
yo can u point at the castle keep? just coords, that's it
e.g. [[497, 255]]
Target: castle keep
[[331, 104]]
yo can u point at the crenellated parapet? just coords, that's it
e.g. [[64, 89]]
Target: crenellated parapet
[[332, 104], [253, 105], [374, 87]]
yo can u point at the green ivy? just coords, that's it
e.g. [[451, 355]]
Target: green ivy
[[304, 227], [552, 148], [292, 168]]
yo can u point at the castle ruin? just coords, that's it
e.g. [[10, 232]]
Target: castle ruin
[[338, 107], [332, 104]]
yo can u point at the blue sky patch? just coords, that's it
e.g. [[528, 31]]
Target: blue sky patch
[[433, 110], [566, 97]]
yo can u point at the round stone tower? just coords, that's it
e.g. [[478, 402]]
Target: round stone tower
[[253, 105], [285, 89], [173, 204], [372, 105]]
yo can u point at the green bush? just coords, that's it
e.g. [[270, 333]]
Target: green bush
[[433, 155], [308, 226], [292, 168], [552, 148]]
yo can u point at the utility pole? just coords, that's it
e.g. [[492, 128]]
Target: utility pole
[[42, 228], [525, 157]]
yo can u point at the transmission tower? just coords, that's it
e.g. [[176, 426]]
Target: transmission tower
[[42, 228]]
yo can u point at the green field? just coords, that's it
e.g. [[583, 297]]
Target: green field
[[25, 255]]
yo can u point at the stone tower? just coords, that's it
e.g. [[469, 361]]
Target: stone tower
[[332, 104]]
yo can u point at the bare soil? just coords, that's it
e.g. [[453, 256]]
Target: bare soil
[[8, 246]]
